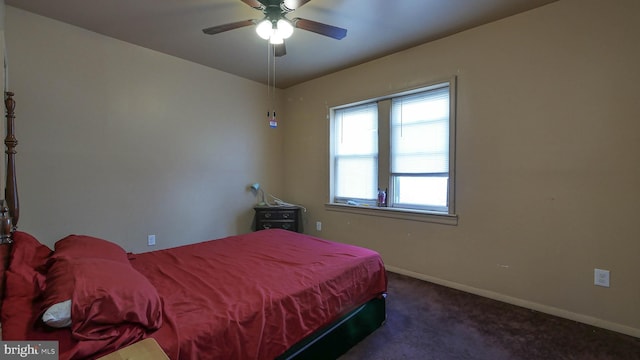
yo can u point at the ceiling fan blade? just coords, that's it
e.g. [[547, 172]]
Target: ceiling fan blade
[[226, 27], [254, 4], [290, 5], [320, 28], [279, 50]]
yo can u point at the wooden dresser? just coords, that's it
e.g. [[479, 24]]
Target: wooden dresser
[[277, 217]]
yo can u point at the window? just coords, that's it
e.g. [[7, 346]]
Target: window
[[356, 153], [403, 144]]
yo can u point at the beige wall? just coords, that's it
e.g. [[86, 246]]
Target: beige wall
[[118, 141], [548, 140]]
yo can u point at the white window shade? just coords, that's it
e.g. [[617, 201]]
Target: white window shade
[[420, 133], [356, 152], [357, 130]]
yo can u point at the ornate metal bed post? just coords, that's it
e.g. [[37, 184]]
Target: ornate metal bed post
[[11, 190]]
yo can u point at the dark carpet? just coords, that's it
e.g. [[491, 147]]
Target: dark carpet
[[429, 321]]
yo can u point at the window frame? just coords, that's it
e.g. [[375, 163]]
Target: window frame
[[447, 216]]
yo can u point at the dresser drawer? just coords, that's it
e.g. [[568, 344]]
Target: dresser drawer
[[286, 225], [277, 217]]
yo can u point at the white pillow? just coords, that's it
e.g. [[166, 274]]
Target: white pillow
[[58, 315]]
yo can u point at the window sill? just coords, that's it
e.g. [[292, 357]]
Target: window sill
[[404, 214]]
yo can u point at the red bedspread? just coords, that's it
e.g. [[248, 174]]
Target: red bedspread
[[243, 297], [253, 296]]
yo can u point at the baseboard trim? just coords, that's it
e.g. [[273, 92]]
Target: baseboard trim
[[585, 319]]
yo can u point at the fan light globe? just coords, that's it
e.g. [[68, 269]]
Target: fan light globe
[[264, 29], [276, 39], [285, 29]]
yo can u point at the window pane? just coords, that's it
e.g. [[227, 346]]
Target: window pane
[[429, 192], [420, 146], [356, 177]]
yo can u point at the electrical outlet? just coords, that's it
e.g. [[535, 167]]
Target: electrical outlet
[[151, 240], [319, 225], [601, 277]]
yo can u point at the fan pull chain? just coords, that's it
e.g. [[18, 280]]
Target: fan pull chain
[[268, 73], [274, 122], [271, 85]]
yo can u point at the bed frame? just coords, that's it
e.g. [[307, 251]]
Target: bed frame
[[9, 210], [337, 338], [9, 205], [327, 343]]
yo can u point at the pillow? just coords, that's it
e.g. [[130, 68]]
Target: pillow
[[103, 293], [27, 250], [58, 315], [82, 246], [27, 266]]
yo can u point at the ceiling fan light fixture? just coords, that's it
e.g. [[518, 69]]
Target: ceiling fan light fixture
[[276, 39], [275, 27], [264, 29], [284, 28]]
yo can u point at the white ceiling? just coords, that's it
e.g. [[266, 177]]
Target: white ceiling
[[375, 28]]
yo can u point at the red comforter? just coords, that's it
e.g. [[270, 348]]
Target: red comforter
[[242, 297], [255, 295]]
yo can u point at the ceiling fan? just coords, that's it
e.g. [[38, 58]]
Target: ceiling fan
[[275, 26]]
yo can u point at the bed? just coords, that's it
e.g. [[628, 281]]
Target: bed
[[271, 294]]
